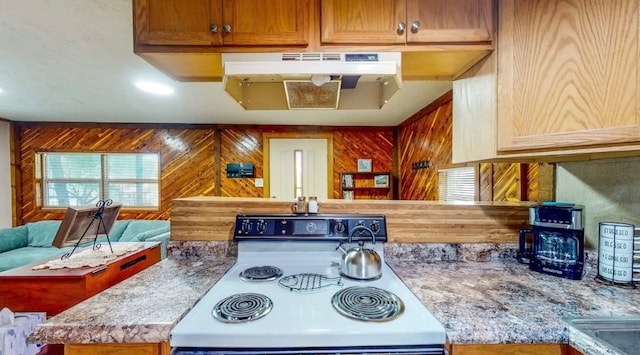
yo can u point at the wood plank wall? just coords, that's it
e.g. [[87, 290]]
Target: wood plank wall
[[193, 158], [427, 135], [186, 160], [245, 144]]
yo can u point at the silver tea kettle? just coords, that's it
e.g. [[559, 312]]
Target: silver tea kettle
[[360, 263]]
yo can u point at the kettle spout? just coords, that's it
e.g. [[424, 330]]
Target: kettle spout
[[340, 248]]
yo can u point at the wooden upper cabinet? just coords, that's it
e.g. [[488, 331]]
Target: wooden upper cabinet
[[449, 21], [221, 22], [265, 22], [363, 21], [177, 22], [568, 75], [406, 21]]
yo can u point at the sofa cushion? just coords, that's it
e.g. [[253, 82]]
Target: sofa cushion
[[41, 233], [136, 227], [141, 237], [117, 229], [12, 238]]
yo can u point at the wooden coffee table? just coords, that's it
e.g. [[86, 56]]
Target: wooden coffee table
[[52, 291]]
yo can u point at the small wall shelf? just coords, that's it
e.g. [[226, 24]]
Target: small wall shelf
[[367, 185]]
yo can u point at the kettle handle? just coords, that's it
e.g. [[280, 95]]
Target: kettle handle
[[362, 228], [525, 252]]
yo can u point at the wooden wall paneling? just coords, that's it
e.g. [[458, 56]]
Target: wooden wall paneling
[[186, 158], [545, 176], [485, 182], [217, 162], [427, 135], [349, 145], [213, 218], [241, 145], [506, 182], [16, 173]]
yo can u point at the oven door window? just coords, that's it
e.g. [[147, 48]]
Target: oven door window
[[557, 248]]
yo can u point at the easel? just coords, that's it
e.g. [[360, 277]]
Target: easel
[[96, 216]]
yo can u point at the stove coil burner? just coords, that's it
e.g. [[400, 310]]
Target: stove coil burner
[[367, 304], [261, 273], [242, 307]]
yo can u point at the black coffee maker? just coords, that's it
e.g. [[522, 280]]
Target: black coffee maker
[[555, 243]]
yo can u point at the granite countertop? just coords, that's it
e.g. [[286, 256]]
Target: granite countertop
[[480, 294]]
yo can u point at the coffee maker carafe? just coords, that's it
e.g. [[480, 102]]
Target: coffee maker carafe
[[555, 242]]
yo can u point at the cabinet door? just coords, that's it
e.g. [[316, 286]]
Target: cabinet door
[[178, 22], [567, 75], [265, 22], [363, 21], [454, 21]]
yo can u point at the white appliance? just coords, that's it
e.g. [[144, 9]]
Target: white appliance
[[300, 316], [281, 81]]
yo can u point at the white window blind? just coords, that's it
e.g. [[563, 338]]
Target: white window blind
[[76, 179], [457, 184]]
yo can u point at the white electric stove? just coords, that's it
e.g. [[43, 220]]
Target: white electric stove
[[285, 295]]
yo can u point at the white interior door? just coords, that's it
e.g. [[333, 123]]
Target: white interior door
[[298, 167]]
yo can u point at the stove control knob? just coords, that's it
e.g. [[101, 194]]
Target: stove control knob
[[311, 227], [375, 227], [340, 227], [246, 226], [261, 226]]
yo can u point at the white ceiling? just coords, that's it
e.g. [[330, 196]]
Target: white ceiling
[[73, 61]]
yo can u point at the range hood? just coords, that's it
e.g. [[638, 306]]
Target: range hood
[[288, 81]]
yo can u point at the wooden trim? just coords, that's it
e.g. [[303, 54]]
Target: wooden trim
[[118, 348], [553, 141], [111, 125], [296, 135], [16, 173], [436, 104], [520, 349], [217, 162], [396, 167], [523, 194]]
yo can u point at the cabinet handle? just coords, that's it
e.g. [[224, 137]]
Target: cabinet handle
[[227, 28], [414, 26], [401, 28], [213, 28]]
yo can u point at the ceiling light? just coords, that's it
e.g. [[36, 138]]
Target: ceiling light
[[1, 91], [154, 88]]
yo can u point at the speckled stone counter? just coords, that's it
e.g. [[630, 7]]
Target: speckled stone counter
[[141, 309], [479, 293]]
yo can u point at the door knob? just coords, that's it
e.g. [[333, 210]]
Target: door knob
[[401, 27], [213, 28], [227, 28]]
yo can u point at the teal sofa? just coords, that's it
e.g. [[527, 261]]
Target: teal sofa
[[31, 242]]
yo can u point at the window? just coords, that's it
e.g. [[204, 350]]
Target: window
[[457, 184], [298, 168], [76, 179]]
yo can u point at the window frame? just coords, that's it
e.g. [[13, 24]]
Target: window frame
[[41, 181]]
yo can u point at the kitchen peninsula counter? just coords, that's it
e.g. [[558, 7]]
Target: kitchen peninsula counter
[[479, 302], [208, 218]]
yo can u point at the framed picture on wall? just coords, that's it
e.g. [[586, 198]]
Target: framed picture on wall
[[381, 180], [364, 165]]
